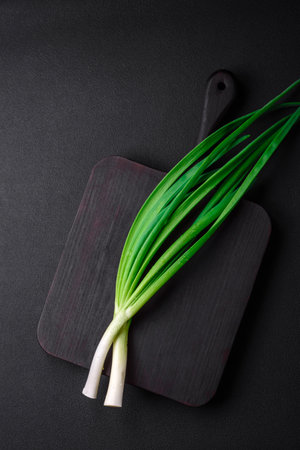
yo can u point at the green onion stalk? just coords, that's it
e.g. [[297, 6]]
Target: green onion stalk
[[196, 178]]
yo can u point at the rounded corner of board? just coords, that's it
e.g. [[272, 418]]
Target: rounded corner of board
[[107, 160], [265, 217], [40, 338]]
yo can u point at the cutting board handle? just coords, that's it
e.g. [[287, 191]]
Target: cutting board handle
[[221, 90]]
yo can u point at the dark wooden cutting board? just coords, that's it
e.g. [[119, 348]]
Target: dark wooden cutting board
[[179, 342]]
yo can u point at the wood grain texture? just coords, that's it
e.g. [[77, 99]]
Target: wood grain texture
[[179, 342]]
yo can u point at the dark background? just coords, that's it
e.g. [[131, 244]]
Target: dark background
[[83, 80]]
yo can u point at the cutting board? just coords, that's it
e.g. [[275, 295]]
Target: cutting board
[[180, 341]]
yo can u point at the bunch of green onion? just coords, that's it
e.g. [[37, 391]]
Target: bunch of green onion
[[147, 263]]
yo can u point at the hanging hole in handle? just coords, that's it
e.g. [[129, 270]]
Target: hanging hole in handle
[[221, 86]]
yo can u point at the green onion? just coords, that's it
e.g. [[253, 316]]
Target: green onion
[[145, 266]]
